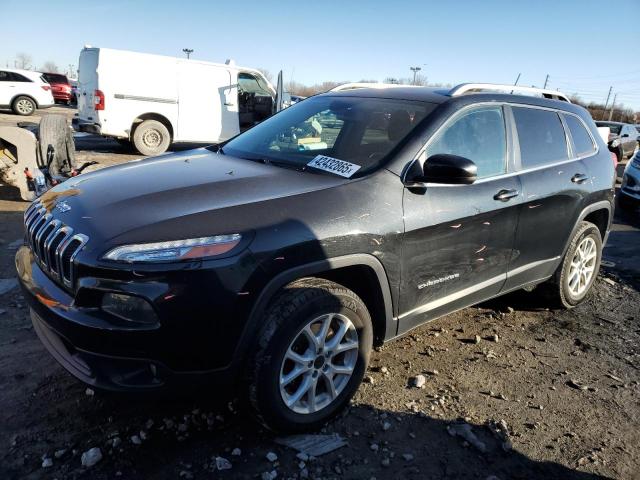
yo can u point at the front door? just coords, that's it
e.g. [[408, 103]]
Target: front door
[[458, 239]]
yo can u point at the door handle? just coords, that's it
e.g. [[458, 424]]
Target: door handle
[[579, 178], [229, 104], [506, 195]]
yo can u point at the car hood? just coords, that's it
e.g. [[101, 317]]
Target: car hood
[[181, 195]]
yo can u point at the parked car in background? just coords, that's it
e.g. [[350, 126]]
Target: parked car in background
[[623, 138], [24, 91], [60, 87], [153, 101], [629, 195], [74, 91], [276, 261]]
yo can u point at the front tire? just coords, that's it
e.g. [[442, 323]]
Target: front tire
[[151, 138], [579, 268], [311, 355], [24, 106]]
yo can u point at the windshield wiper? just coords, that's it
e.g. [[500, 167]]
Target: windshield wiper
[[277, 163]]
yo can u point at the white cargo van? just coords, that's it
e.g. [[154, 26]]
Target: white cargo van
[[153, 101]]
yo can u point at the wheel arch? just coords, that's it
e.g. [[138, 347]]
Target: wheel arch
[[152, 116], [361, 273], [600, 214], [31, 97]]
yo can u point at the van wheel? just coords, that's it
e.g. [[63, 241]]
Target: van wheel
[[151, 138], [54, 131], [575, 276], [23, 106], [310, 357]]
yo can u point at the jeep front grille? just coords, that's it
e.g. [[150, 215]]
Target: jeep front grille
[[54, 245]]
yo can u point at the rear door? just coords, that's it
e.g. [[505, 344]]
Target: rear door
[[208, 104], [629, 139], [459, 238], [555, 182], [87, 83]]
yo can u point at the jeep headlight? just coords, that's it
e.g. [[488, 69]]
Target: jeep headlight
[[174, 250]]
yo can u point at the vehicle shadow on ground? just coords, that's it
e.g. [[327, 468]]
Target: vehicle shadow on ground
[[187, 434]]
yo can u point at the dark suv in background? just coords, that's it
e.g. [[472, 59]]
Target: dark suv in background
[[277, 260]]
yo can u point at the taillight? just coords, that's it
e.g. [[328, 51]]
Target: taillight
[[614, 157], [46, 88], [98, 97]]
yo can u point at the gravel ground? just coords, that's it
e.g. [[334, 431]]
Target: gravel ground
[[511, 390]]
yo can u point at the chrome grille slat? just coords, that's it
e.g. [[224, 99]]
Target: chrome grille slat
[[55, 246], [39, 232]]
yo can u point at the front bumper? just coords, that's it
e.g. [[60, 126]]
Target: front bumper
[[86, 126], [113, 356]]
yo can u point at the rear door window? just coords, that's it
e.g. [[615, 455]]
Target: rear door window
[[4, 77], [478, 135], [541, 136], [582, 141]]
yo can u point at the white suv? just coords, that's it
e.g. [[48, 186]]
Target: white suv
[[24, 91]]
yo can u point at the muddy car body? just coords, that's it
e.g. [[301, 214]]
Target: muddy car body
[[291, 273]]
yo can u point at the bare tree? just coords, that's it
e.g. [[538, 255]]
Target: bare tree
[[267, 74], [24, 61], [50, 67]]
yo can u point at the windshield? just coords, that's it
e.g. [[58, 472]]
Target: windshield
[[362, 131], [614, 127]]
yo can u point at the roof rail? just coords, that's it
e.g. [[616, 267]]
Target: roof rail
[[356, 85], [494, 87]]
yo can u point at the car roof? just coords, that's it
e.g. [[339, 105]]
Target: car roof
[[439, 95], [422, 94], [27, 73]]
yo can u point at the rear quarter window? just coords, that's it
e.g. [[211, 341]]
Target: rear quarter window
[[582, 141], [541, 136]]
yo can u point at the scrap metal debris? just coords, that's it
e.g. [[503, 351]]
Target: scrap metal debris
[[313, 445]]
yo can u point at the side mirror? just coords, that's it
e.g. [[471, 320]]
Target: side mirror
[[443, 168]]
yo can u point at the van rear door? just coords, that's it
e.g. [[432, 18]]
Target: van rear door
[[208, 103], [87, 83]]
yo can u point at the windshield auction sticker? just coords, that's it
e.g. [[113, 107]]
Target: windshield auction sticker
[[333, 165]]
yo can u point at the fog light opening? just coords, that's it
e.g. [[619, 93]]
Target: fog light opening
[[129, 308]]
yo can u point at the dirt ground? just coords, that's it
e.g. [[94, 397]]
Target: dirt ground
[[546, 394]]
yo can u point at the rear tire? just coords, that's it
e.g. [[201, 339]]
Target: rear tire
[[54, 130], [151, 138], [285, 347], [24, 106], [579, 268]]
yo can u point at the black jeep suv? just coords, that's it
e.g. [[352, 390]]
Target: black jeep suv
[[274, 262]]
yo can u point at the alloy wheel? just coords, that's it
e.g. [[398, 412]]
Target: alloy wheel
[[582, 266], [24, 106], [318, 363]]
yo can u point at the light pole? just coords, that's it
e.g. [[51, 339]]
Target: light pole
[[415, 71], [188, 51]]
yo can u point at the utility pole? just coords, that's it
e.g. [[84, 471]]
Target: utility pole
[[546, 80], [188, 51], [415, 71], [613, 104], [604, 111]]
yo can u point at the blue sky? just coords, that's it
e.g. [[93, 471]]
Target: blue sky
[[583, 45]]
